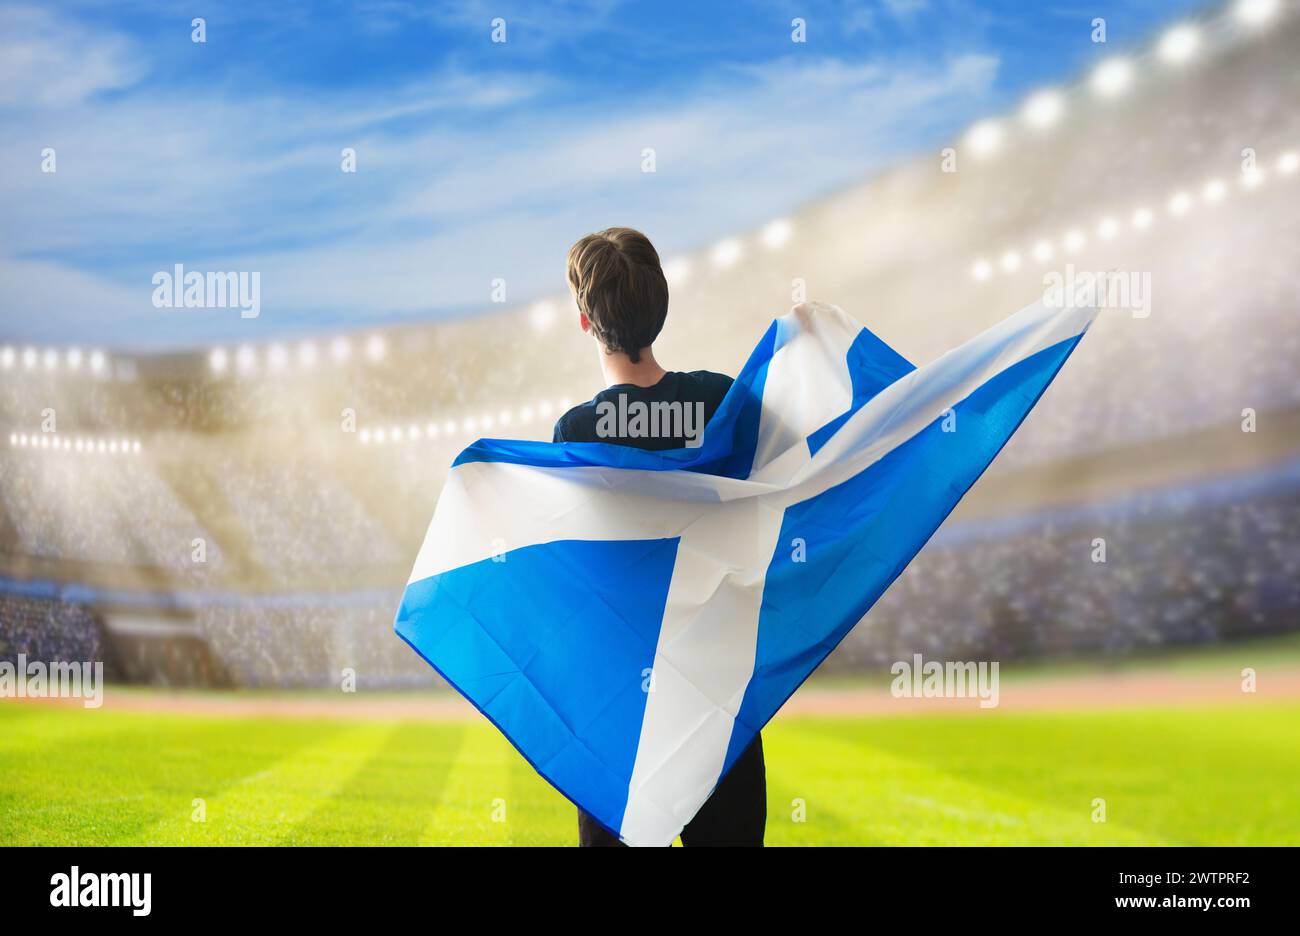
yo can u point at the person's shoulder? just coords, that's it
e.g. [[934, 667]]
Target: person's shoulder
[[576, 423], [711, 381]]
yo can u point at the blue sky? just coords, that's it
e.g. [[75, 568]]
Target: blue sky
[[475, 160]]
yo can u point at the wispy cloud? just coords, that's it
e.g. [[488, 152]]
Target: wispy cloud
[[465, 173]]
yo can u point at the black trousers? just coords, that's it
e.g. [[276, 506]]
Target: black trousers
[[734, 815]]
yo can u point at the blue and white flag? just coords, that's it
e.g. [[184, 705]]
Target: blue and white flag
[[631, 619]]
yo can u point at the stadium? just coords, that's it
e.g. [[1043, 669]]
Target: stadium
[[229, 527]]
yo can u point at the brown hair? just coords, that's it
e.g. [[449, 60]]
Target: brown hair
[[620, 287]]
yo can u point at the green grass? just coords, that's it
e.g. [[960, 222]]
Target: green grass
[[1169, 776]]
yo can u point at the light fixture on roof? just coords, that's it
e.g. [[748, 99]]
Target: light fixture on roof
[[74, 359], [307, 354], [1142, 218], [1074, 241], [1112, 76], [1179, 44], [276, 358], [981, 270], [218, 360], [245, 359], [1043, 251], [677, 271], [340, 349], [364, 436], [1214, 191], [1252, 178], [7, 357], [1107, 228], [1256, 12], [98, 362], [29, 358], [50, 358], [1180, 203], [1287, 163], [726, 253], [776, 233], [984, 138], [376, 347], [1010, 261], [1043, 109], [431, 430], [542, 315]]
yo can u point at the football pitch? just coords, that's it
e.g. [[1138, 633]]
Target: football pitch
[[1201, 774]]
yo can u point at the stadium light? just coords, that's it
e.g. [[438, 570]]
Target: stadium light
[[727, 252], [413, 433], [307, 355], [677, 271], [1252, 179], [981, 270], [29, 358], [1043, 251], [22, 440], [79, 444], [98, 362], [1142, 218], [1256, 12], [1214, 191], [984, 138], [7, 357], [1112, 77], [245, 359], [1043, 109], [1107, 228], [486, 421], [505, 417], [1074, 241], [542, 315], [135, 447], [449, 427], [1180, 203], [276, 358], [544, 408], [776, 233], [218, 360], [469, 425], [380, 437], [50, 359], [396, 433], [526, 414], [364, 436], [340, 349], [1179, 44], [376, 347], [1287, 163], [431, 430], [1010, 261], [74, 359]]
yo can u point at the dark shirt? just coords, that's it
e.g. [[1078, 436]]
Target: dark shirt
[[590, 422], [736, 813]]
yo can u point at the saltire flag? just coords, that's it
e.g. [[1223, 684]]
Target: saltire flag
[[631, 619]]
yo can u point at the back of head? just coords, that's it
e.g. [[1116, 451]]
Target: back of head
[[620, 288]]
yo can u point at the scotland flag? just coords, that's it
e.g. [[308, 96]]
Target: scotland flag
[[631, 619]]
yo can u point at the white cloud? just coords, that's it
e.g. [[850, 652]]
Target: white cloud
[[483, 188]]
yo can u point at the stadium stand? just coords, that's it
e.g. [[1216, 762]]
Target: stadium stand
[[310, 468]]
